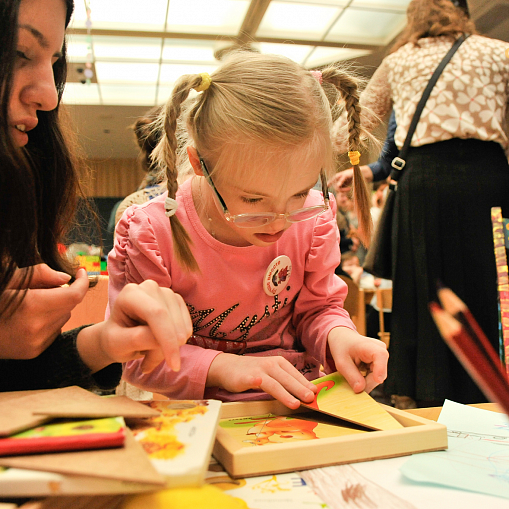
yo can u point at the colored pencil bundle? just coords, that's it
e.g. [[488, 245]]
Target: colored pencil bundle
[[466, 339], [501, 244]]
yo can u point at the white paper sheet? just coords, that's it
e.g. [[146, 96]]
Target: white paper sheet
[[478, 455]]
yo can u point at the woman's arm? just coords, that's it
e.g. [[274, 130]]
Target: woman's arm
[[147, 322], [44, 309], [58, 366]]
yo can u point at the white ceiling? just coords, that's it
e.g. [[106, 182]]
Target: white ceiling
[[137, 49]]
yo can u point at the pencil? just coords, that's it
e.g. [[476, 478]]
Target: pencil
[[459, 310], [468, 352]]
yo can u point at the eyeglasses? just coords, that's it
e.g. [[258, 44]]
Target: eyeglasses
[[261, 219]]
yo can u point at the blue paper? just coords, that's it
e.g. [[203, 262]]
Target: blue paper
[[478, 455]]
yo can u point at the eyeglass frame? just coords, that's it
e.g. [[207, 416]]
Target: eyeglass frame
[[231, 218]]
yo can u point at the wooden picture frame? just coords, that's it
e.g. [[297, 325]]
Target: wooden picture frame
[[417, 435]]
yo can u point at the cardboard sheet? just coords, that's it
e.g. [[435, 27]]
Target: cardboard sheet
[[128, 463], [21, 411]]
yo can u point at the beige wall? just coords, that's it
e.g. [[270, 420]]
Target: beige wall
[[113, 177]]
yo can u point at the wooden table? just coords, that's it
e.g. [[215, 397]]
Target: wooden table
[[370, 485], [343, 487], [433, 413]]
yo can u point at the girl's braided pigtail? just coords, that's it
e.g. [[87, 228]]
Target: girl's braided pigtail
[[348, 87], [166, 155]]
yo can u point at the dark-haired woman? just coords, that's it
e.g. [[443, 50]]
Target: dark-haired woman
[[40, 186], [455, 172]]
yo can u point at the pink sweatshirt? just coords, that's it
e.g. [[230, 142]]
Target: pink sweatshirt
[[227, 300]]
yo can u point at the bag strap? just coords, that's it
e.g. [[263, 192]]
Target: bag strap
[[398, 163]]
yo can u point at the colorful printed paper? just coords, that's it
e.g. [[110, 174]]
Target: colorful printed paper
[[66, 436], [279, 429], [277, 491], [179, 441]]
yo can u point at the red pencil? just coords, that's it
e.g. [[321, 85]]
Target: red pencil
[[471, 355], [459, 310]]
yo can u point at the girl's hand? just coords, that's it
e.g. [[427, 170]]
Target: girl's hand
[[274, 375], [45, 308], [352, 352], [146, 321]]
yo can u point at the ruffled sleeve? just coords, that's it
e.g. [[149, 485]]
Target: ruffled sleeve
[[319, 306], [141, 238], [136, 255]]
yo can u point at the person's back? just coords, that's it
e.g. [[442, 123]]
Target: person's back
[[442, 224]]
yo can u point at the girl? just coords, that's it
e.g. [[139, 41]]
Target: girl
[[40, 185], [249, 245]]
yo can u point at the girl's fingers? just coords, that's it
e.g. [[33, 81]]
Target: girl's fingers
[[144, 309], [303, 383], [287, 385], [181, 319], [151, 359], [352, 375], [376, 360], [275, 389]]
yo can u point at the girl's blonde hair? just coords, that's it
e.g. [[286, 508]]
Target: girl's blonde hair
[[258, 99]]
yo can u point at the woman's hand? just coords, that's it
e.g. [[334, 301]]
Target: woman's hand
[[146, 321], [274, 375], [352, 352], [45, 308], [342, 181]]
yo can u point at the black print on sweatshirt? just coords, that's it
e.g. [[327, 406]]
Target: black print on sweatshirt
[[199, 318]]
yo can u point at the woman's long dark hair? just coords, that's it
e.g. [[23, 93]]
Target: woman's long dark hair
[[39, 184], [434, 18]]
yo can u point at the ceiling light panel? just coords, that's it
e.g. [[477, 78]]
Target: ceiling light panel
[[206, 16], [79, 15], [122, 14], [366, 26], [180, 50], [296, 52], [127, 48], [323, 55], [297, 20], [78, 93], [120, 72], [164, 93], [77, 48], [132, 95], [172, 72], [392, 5], [334, 3]]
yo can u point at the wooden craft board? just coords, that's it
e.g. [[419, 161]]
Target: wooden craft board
[[259, 450]]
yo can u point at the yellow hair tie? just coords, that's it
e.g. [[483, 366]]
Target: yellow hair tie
[[206, 80], [355, 157]]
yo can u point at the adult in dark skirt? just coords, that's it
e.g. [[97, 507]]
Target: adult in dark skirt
[[444, 234], [456, 170]]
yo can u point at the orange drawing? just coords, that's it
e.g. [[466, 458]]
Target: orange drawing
[[280, 430], [322, 386]]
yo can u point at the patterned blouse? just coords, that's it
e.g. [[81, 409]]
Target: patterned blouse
[[468, 101]]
